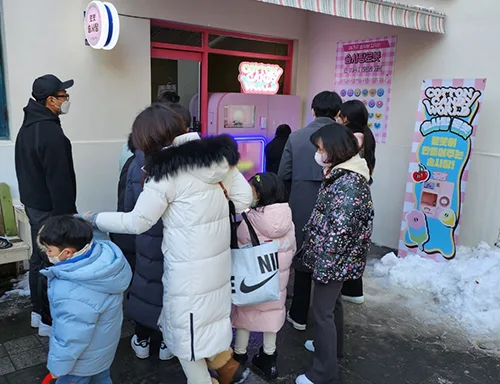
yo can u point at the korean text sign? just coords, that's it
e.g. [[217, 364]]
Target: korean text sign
[[363, 71], [447, 119]]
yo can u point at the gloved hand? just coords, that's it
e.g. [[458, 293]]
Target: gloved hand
[[89, 217]]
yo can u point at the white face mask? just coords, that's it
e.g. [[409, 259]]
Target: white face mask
[[321, 159], [55, 259], [64, 108]]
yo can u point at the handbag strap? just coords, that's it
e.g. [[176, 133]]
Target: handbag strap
[[232, 218], [253, 235]]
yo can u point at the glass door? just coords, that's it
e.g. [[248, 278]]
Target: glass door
[[179, 73]]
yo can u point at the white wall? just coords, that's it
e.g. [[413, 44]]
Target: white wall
[[111, 87], [466, 51]]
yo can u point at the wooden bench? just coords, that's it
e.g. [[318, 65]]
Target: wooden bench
[[20, 252]]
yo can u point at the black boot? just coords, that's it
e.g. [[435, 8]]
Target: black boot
[[242, 359], [265, 365]]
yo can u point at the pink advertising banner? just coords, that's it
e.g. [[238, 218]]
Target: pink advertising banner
[[363, 71], [447, 120]]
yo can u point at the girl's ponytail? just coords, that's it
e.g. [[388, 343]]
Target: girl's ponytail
[[369, 145], [355, 114]]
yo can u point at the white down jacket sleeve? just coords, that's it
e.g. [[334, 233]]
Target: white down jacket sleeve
[[238, 189], [149, 208]]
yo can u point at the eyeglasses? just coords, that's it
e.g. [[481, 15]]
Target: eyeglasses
[[66, 96]]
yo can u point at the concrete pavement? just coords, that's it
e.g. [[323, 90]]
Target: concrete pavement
[[384, 345]]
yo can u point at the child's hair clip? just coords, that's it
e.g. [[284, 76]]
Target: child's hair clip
[[257, 177]]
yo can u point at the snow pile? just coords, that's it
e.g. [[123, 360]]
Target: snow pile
[[465, 288], [21, 287]]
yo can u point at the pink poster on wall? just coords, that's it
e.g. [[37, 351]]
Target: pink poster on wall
[[447, 119], [363, 71]]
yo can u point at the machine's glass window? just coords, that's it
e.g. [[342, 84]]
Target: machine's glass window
[[246, 45], [239, 116], [176, 36], [223, 72]]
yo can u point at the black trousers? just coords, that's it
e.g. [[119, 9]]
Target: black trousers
[[328, 333], [38, 261], [301, 301], [143, 332], [353, 288]]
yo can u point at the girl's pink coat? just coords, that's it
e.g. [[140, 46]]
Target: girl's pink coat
[[273, 222]]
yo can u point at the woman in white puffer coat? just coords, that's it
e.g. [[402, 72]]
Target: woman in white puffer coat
[[183, 187]]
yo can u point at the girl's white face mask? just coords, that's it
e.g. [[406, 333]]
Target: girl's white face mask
[[321, 159]]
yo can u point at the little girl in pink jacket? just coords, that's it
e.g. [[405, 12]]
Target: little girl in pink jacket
[[271, 218]]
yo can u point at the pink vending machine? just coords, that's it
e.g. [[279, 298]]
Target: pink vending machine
[[252, 120]]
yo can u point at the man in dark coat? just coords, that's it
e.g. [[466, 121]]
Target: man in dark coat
[[46, 177], [274, 150], [299, 168]]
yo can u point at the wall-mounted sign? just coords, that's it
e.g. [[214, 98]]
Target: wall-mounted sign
[[259, 78], [102, 25], [363, 71], [447, 119]]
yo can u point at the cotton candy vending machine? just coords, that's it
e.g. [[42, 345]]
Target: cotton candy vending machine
[[252, 120]]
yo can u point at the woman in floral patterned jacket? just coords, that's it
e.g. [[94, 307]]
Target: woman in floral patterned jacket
[[337, 240]]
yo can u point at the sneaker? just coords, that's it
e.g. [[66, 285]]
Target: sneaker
[[309, 345], [354, 299], [141, 348], [36, 319], [297, 326], [44, 330], [165, 353], [302, 379], [265, 365]]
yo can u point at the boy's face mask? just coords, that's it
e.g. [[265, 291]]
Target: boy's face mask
[[64, 254]]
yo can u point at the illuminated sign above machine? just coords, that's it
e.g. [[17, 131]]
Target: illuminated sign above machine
[[102, 25], [259, 78]]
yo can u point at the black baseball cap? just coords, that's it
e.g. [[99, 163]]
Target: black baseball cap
[[49, 85]]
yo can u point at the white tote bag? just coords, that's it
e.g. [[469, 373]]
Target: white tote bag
[[255, 274]]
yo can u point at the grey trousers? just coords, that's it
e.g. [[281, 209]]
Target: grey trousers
[[38, 261], [328, 333]]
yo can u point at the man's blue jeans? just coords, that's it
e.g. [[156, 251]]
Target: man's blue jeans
[[101, 378]]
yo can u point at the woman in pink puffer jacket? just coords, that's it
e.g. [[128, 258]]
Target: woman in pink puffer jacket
[[271, 218]]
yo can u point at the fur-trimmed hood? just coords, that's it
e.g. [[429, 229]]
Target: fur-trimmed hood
[[208, 159]]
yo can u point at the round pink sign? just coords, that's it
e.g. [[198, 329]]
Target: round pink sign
[[93, 24]]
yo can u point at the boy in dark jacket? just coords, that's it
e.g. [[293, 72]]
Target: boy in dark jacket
[[125, 242], [145, 299]]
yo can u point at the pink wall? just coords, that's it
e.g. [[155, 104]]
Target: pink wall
[[461, 53], [392, 158]]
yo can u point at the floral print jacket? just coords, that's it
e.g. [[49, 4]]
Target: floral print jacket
[[339, 231]]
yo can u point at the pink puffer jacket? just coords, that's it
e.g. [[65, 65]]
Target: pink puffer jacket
[[273, 222]]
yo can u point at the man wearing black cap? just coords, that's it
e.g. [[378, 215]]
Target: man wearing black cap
[[46, 176]]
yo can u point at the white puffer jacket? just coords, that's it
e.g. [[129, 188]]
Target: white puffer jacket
[[184, 191]]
